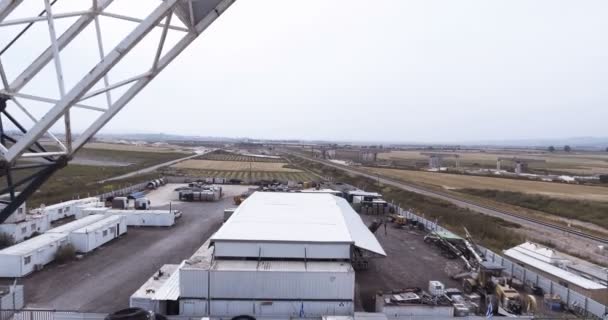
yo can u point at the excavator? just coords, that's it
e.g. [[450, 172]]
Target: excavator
[[485, 278]]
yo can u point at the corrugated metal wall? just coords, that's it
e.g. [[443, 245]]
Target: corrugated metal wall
[[282, 250], [282, 285], [193, 283], [286, 309]]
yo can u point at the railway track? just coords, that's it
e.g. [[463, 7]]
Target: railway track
[[488, 210]]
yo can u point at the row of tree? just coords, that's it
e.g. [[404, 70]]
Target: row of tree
[[567, 148]]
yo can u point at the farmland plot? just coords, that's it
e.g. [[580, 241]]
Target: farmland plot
[[235, 166]]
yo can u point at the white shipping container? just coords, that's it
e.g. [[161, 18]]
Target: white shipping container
[[144, 303], [193, 282], [417, 310], [280, 309], [23, 258], [231, 279], [91, 237], [193, 307]]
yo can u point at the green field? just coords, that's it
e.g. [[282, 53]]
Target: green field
[[242, 175], [221, 155]]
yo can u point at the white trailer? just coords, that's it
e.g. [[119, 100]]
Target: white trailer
[[94, 210], [33, 223], [19, 214], [146, 218], [59, 210], [24, 258], [77, 224], [89, 238], [66, 209], [81, 210]]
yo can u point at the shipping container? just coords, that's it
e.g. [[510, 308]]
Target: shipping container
[[24, 258], [89, 238], [416, 310], [194, 283], [279, 309], [194, 273], [232, 279], [193, 307]]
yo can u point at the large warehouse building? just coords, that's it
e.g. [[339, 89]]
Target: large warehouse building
[[279, 255]]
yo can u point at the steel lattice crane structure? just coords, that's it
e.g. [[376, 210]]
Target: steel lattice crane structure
[[25, 162]]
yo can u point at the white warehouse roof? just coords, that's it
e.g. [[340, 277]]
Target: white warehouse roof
[[524, 256], [297, 217]]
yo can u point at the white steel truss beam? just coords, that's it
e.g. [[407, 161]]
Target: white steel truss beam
[[90, 79], [69, 35], [18, 141], [162, 63]]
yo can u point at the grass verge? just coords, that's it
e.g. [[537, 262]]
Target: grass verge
[[588, 211]]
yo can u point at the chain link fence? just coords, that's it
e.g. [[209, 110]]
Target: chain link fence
[[577, 302]]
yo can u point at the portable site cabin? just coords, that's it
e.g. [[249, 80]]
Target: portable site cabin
[[28, 256], [94, 210], [59, 210], [77, 224], [33, 223], [146, 218], [83, 210], [89, 238], [19, 214]]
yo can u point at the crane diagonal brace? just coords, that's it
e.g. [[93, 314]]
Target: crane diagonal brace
[[197, 15]]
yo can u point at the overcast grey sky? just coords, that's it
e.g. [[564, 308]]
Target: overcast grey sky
[[387, 70]]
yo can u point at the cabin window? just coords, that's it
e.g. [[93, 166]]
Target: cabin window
[[67, 209], [19, 210], [27, 260], [60, 210], [105, 233], [23, 230], [113, 230]]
